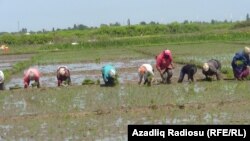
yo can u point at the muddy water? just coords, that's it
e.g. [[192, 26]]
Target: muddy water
[[94, 66], [48, 78], [127, 71], [5, 66], [51, 81]]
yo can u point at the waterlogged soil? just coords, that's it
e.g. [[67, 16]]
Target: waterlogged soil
[[127, 71], [7, 61], [109, 124]]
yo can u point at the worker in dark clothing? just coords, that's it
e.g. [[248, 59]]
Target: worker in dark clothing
[[212, 67], [63, 76], [240, 64], [188, 70]]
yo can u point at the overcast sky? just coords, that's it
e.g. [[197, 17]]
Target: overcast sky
[[46, 14]]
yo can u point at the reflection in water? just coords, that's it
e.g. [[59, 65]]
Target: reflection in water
[[93, 66]]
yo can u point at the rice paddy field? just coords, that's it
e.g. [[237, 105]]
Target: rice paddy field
[[95, 112]]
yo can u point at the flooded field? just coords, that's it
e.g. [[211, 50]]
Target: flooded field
[[127, 72], [92, 112], [82, 71], [102, 114]]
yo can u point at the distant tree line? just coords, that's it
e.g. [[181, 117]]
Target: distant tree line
[[81, 32], [117, 24]]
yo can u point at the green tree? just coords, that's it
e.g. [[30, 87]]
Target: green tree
[[128, 22], [247, 17], [143, 23]]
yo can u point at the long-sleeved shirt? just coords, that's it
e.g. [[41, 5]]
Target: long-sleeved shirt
[[106, 72], [163, 63], [26, 78], [214, 68], [65, 77], [145, 71], [240, 61]]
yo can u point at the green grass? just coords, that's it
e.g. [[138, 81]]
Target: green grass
[[91, 98], [91, 112]]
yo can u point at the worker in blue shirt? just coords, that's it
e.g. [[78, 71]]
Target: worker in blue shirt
[[240, 64], [108, 74]]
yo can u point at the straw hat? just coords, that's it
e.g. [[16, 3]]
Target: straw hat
[[205, 67], [62, 71], [247, 50]]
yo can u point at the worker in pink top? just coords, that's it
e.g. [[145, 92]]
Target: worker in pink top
[[164, 64], [32, 74]]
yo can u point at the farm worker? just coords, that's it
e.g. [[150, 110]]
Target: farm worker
[[1, 80], [146, 72], [63, 75], [32, 74], [239, 64], [212, 67], [164, 64], [109, 74], [189, 70]]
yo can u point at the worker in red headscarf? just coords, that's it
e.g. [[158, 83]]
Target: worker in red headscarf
[[164, 64], [32, 74]]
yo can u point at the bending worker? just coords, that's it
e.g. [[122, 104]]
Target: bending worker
[[212, 67], [146, 73], [239, 64], [164, 64], [109, 75], [32, 74], [63, 76], [189, 70]]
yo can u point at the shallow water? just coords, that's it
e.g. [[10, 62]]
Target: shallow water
[[5, 66], [16, 105], [93, 66], [51, 81], [77, 79]]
